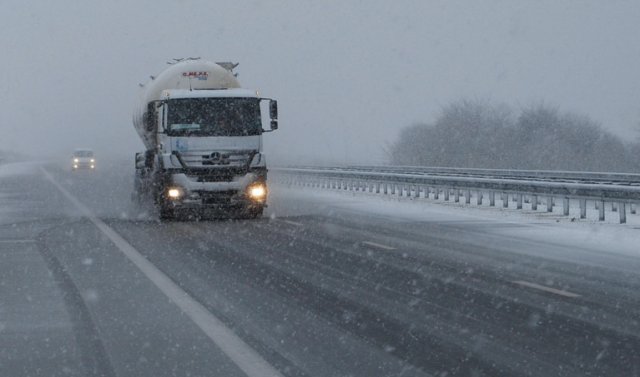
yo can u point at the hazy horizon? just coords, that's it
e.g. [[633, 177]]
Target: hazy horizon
[[348, 75]]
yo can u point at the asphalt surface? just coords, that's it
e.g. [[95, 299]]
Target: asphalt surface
[[313, 289]]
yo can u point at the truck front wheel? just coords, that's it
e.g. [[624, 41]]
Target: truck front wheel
[[254, 212], [167, 213]]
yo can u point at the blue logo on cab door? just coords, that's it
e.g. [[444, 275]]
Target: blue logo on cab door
[[181, 145]]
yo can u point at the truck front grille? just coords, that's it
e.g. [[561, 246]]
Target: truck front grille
[[216, 175]]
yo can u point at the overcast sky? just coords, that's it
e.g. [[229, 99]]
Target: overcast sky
[[348, 75]]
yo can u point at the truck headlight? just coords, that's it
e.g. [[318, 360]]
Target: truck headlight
[[174, 193], [257, 191], [76, 160]]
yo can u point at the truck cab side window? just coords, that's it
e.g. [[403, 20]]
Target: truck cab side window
[[151, 117]]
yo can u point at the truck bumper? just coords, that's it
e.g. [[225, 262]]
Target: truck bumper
[[236, 195]]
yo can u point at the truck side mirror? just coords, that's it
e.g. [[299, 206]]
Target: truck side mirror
[[140, 160], [273, 111], [274, 124]]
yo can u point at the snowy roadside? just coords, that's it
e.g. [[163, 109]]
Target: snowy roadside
[[608, 237], [19, 168]]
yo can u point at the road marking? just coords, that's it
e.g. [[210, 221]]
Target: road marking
[[17, 241], [245, 357], [377, 245], [293, 223], [546, 289]]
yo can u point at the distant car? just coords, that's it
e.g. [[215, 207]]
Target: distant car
[[83, 159]]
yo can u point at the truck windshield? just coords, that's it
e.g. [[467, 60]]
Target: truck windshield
[[214, 117]]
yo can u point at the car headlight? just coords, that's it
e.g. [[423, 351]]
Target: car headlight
[[76, 160], [257, 191], [92, 160], [174, 193]]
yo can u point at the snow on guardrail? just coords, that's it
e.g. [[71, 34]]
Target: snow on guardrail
[[620, 191]]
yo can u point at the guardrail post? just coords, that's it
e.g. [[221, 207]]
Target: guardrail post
[[623, 213], [519, 202], [565, 206], [377, 187], [467, 199], [534, 202], [549, 204], [632, 208], [446, 194], [505, 200], [385, 188], [456, 196], [597, 204], [436, 193], [614, 207], [479, 198], [601, 209], [583, 208], [492, 198], [418, 189]]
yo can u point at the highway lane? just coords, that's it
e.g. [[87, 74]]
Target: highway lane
[[317, 290]]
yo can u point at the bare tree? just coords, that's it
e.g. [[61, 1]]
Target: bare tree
[[480, 134]]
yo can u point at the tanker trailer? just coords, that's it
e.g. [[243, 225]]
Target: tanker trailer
[[203, 138]]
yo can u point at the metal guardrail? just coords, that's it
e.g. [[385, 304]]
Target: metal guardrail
[[621, 191], [541, 175]]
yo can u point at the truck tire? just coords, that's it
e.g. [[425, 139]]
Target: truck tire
[[167, 213], [254, 213]]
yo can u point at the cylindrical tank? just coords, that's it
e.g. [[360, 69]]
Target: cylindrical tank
[[188, 74]]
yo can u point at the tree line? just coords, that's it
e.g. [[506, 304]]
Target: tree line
[[478, 134]]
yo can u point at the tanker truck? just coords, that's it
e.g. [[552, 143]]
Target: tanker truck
[[203, 138]]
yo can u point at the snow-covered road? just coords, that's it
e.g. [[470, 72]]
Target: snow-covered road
[[326, 284]]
